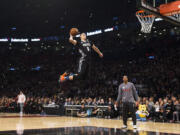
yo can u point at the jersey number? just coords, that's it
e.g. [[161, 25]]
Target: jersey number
[[88, 49]]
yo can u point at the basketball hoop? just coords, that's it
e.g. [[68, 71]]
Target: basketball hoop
[[146, 21]]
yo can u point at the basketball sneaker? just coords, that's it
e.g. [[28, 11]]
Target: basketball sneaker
[[66, 77], [63, 77]]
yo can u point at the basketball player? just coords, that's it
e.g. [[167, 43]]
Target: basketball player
[[128, 95], [84, 47]]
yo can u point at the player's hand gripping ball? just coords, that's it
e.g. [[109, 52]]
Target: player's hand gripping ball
[[74, 31]]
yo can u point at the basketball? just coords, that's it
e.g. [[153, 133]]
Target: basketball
[[74, 31]]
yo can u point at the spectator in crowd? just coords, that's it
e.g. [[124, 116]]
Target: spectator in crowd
[[150, 106], [110, 102], [95, 111], [156, 110], [176, 111], [12, 105], [109, 113], [101, 102], [82, 112], [168, 108], [94, 102]]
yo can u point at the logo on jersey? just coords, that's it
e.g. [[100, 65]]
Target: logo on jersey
[[125, 89], [86, 44]]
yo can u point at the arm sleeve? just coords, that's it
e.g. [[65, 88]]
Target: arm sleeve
[[134, 93], [119, 94]]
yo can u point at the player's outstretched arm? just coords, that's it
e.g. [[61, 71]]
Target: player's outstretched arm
[[72, 41], [98, 51]]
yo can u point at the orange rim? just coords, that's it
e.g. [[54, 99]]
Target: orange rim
[[142, 11]]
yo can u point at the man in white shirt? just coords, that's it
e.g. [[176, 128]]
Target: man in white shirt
[[21, 101]]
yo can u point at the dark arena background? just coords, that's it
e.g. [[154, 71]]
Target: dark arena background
[[138, 39]]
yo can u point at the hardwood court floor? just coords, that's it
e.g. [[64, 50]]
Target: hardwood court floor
[[12, 122]]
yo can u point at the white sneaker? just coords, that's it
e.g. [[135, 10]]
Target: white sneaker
[[124, 126], [134, 126]]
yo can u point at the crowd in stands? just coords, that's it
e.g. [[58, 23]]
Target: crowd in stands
[[165, 109], [31, 106], [161, 109], [152, 67]]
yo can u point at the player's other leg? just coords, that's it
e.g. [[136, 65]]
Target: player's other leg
[[132, 109], [82, 69], [125, 114], [66, 76], [80, 73]]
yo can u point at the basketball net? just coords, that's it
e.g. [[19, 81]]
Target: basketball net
[[146, 21]]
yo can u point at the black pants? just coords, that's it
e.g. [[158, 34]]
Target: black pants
[[129, 110], [167, 116]]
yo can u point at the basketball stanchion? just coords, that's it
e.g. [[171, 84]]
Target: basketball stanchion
[[171, 9]]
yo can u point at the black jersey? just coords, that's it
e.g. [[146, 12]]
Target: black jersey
[[84, 48]]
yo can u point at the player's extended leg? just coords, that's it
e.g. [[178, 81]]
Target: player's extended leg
[[81, 71], [66, 76], [125, 114]]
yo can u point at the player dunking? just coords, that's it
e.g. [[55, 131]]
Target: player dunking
[[84, 47]]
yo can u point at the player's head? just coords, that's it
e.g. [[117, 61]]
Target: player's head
[[83, 36], [125, 79]]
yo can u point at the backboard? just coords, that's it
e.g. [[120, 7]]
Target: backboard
[[158, 8]]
